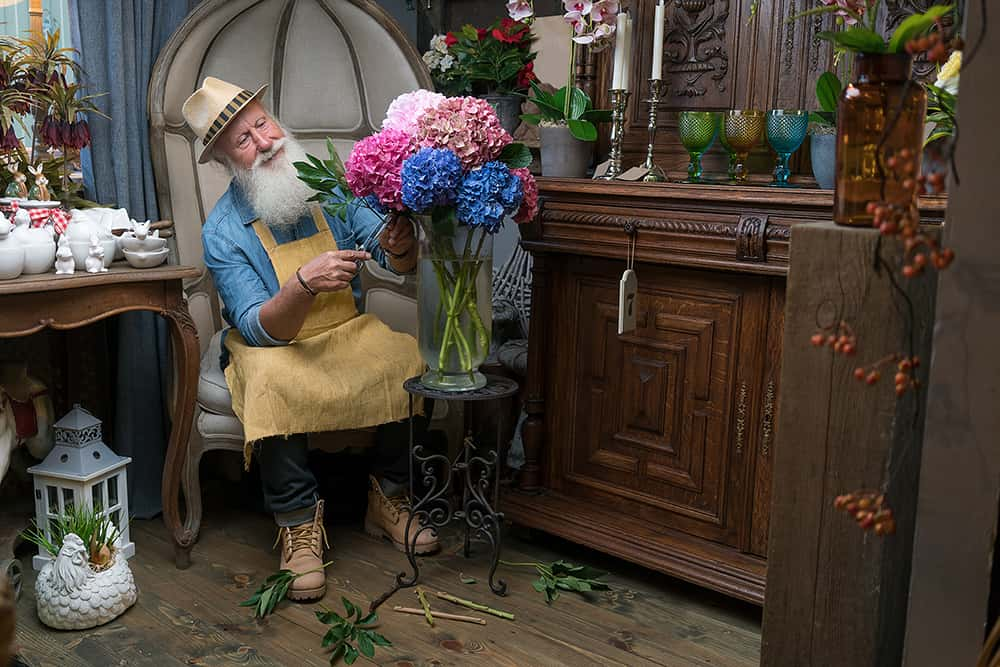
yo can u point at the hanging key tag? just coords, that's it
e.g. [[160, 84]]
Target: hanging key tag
[[628, 291]]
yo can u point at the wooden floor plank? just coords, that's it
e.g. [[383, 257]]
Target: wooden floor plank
[[192, 616]]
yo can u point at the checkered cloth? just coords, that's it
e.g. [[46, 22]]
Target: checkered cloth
[[42, 216]]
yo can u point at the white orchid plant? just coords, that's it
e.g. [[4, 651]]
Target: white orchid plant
[[592, 24]]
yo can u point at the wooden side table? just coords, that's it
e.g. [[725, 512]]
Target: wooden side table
[[32, 303]]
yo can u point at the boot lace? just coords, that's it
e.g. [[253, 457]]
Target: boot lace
[[302, 537]]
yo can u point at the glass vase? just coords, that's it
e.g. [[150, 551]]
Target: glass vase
[[454, 303], [880, 116]]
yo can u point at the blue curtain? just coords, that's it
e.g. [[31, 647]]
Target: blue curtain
[[118, 41]]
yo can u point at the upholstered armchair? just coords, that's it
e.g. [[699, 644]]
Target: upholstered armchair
[[333, 67]]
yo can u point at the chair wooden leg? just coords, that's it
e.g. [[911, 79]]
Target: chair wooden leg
[[191, 481]]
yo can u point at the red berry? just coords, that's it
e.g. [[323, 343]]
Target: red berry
[[919, 261], [906, 154], [900, 389], [904, 365], [831, 340], [848, 349], [871, 207], [859, 373], [817, 339], [909, 271], [873, 377], [901, 378]]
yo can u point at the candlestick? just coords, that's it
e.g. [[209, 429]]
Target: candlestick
[[658, 24], [619, 100], [653, 173]]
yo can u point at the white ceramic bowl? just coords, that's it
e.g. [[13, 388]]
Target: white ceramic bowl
[[81, 250], [146, 260], [149, 244]]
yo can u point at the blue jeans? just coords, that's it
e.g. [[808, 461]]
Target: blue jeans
[[290, 487]]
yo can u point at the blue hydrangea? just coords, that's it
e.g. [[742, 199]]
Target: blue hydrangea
[[488, 194], [430, 178]]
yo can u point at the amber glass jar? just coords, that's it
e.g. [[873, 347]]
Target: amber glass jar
[[883, 96]]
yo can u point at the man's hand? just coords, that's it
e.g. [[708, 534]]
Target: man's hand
[[397, 237], [333, 270]]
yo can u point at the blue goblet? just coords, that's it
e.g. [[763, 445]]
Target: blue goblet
[[786, 130]]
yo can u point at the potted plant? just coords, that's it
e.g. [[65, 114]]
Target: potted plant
[[495, 63], [566, 118], [36, 95], [882, 112], [88, 581], [823, 130]]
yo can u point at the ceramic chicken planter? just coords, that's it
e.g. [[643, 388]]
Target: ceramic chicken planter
[[73, 595]]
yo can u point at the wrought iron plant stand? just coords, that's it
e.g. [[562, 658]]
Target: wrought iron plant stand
[[432, 478]]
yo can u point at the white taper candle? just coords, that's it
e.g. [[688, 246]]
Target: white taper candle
[[658, 26]]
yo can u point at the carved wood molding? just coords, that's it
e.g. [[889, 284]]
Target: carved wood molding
[[720, 229], [751, 232], [696, 45], [676, 226]]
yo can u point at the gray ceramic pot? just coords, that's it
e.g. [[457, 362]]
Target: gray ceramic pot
[[823, 148], [508, 108], [563, 155]]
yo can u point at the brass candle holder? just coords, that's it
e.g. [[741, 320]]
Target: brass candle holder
[[619, 101], [653, 173]]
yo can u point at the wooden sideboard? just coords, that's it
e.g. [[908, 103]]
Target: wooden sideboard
[[656, 445]]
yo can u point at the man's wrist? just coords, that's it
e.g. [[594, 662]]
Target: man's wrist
[[303, 283]]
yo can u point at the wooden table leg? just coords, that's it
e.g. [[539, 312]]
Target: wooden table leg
[[184, 339]]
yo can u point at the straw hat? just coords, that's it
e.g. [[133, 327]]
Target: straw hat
[[212, 107]]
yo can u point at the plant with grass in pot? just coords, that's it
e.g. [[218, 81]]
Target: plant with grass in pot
[[823, 130], [566, 118]]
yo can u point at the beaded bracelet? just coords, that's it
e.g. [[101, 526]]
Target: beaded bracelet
[[302, 282]]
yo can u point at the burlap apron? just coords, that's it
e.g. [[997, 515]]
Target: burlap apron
[[343, 370]]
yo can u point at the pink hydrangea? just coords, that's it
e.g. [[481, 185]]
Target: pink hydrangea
[[375, 165], [405, 110], [467, 126], [529, 205]]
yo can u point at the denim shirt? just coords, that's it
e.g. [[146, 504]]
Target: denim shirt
[[242, 270]]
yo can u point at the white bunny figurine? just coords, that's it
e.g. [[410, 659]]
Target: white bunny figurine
[[141, 230], [40, 191], [95, 261], [18, 186], [64, 257]]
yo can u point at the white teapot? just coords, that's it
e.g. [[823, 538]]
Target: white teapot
[[11, 251], [39, 245], [84, 224]]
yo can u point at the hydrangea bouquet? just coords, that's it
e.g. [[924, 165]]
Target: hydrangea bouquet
[[447, 165]]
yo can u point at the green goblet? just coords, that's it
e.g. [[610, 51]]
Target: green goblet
[[786, 130], [742, 130], [698, 130]]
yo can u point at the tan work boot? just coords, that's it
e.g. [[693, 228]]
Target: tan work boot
[[387, 517], [302, 551]]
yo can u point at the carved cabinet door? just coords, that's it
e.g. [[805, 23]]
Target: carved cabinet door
[[655, 423]]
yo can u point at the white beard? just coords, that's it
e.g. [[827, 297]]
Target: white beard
[[272, 185]]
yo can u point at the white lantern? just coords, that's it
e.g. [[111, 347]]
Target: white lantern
[[81, 469]]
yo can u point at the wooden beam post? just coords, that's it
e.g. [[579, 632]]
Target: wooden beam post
[[836, 595], [960, 483], [35, 14]]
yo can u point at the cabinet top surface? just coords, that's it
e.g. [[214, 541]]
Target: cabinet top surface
[[670, 194]]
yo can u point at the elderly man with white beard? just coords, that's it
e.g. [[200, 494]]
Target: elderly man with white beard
[[299, 358]]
